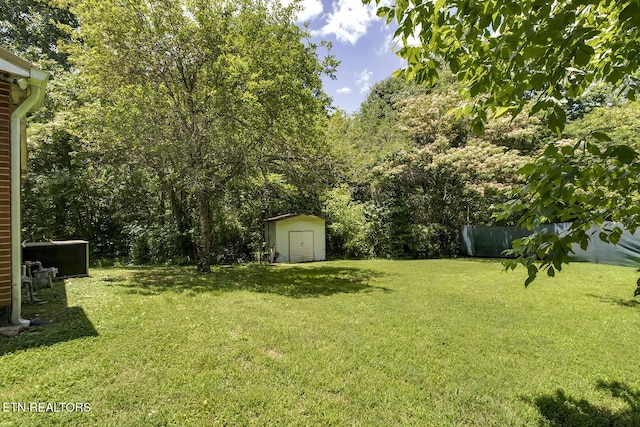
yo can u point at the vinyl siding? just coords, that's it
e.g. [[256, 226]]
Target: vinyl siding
[[5, 195]]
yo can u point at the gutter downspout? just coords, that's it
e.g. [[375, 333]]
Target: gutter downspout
[[16, 216]]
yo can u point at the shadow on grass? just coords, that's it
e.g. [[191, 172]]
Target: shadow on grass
[[562, 410], [57, 322], [292, 281], [483, 259], [622, 302]]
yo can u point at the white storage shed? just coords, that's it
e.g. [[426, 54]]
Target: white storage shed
[[295, 238]]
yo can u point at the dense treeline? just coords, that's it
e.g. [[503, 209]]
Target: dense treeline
[[416, 173], [175, 145]]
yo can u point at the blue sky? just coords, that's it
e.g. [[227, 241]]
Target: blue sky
[[361, 41]]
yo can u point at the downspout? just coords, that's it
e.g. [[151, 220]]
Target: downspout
[[16, 248]]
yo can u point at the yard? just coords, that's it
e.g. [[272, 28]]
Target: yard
[[437, 342]]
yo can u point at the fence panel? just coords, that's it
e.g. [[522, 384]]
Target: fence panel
[[490, 242]]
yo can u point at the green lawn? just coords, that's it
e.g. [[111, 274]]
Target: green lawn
[[434, 343]]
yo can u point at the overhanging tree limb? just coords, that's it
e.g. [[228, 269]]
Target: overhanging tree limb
[[546, 51]]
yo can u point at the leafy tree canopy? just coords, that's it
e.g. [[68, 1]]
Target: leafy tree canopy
[[513, 51], [508, 54], [621, 123], [33, 27], [201, 93]]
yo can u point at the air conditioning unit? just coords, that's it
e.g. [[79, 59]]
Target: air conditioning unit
[[70, 257]]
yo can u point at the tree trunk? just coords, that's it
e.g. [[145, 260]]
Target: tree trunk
[[177, 203], [180, 217], [203, 241]]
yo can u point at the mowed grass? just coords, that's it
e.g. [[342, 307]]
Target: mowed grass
[[345, 343]]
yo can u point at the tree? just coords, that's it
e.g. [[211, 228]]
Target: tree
[[371, 132], [415, 174], [348, 229], [67, 194], [201, 93], [33, 28], [621, 123], [514, 53], [447, 176]]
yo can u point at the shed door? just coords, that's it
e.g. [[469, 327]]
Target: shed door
[[300, 246]]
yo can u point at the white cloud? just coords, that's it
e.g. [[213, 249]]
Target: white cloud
[[348, 21], [309, 9], [364, 76], [387, 45], [414, 39], [362, 80], [344, 91]]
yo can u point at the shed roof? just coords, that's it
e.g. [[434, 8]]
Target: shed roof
[[54, 243], [292, 215]]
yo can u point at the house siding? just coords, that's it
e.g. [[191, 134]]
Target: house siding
[[5, 194]]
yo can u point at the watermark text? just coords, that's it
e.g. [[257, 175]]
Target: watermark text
[[45, 407]]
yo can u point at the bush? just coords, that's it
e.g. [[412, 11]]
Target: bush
[[433, 241], [348, 229], [158, 244]]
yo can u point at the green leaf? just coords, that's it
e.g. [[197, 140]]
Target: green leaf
[[454, 65], [502, 111], [557, 119], [538, 80], [600, 136], [383, 11], [478, 127], [615, 235], [533, 51], [583, 55], [533, 271], [584, 244], [539, 106], [629, 12], [594, 149], [566, 150], [527, 169], [624, 153], [439, 5], [551, 150]]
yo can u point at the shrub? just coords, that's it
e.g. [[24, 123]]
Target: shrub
[[348, 229], [159, 244]]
